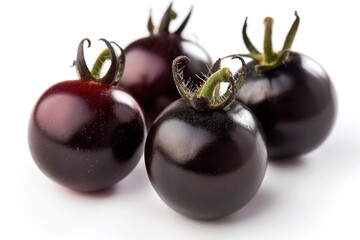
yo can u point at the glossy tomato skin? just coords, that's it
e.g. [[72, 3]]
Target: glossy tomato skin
[[295, 103], [147, 75], [86, 135], [205, 165]]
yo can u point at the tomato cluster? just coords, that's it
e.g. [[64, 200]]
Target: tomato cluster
[[206, 134]]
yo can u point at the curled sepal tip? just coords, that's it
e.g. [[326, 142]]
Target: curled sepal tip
[[121, 65], [80, 63], [178, 66], [242, 72], [114, 73], [206, 97]]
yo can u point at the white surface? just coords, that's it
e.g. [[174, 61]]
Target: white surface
[[316, 197]]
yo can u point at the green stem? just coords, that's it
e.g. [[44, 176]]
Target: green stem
[[208, 89], [269, 54], [206, 97], [103, 57]]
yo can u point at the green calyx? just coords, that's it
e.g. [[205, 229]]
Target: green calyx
[[207, 97], [270, 59], [168, 16], [116, 69]]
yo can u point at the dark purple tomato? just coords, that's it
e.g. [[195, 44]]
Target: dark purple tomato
[[293, 99], [295, 104], [86, 134], [205, 162], [147, 74]]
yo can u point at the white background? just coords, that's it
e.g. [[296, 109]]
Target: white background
[[314, 197]]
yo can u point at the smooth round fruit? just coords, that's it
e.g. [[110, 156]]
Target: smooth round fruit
[[86, 135], [290, 94], [205, 164], [295, 104]]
